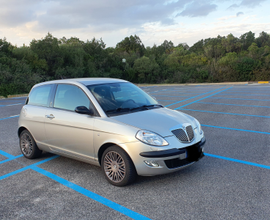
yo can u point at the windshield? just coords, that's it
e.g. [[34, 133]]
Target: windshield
[[122, 98]]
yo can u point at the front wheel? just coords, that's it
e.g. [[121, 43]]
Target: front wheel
[[117, 166], [28, 145]]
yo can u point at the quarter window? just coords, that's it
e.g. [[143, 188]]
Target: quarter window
[[69, 97], [40, 95]]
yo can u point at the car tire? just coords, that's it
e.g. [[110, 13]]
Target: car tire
[[117, 166], [28, 145]]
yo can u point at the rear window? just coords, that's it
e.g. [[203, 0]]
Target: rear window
[[40, 95]]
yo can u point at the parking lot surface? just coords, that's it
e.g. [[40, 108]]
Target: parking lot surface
[[232, 181]]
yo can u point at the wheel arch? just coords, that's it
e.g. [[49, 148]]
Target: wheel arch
[[107, 145], [103, 148], [20, 130]]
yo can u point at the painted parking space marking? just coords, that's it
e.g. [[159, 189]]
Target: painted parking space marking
[[27, 167], [14, 116], [235, 129], [242, 91], [218, 103], [10, 159], [75, 187], [225, 113], [6, 154], [238, 161], [116, 206], [204, 98], [234, 94], [92, 195], [194, 97], [263, 100]]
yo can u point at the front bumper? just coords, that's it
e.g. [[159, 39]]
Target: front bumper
[[171, 160], [194, 151]]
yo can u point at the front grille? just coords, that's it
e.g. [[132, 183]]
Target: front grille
[[190, 132], [186, 135]]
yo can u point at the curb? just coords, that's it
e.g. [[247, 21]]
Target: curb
[[194, 84], [14, 96]]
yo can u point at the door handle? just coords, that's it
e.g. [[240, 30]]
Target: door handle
[[51, 116]]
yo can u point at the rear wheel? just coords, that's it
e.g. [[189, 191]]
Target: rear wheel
[[117, 166], [28, 145]]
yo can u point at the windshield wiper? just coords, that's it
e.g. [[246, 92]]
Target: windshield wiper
[[146, 107], [143, 107], [153, 106], [118, 110]]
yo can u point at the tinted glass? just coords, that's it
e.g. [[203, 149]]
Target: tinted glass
[[40, 95], [119, 98], [69, 97]]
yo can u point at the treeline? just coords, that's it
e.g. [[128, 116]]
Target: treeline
[[217, 59]]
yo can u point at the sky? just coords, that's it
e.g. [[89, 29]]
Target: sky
[[179, 21]]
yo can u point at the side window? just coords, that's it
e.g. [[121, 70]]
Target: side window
[[69, 97], [40, 95]]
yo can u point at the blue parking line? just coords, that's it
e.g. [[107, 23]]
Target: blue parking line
[[27, 167], [92, 195], [4, 161], [218, 103], [236, 129], [14, 116], [226, 113], [243, 91], [194, 97], [73, 186], [263, 100], [245, 95], [6, 154], [14, 172], [204, 98], [238, 161]]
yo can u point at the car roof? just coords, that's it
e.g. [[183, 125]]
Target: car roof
[[84, 81]]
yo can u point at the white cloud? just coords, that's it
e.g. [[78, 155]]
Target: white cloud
[[247, 3], [153, 20]]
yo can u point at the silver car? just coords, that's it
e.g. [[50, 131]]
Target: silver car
[[109, 123]]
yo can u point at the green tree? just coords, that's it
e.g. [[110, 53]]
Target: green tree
[[48, 49], [263, 39], [147, 70], [247, 39], [131, 44]]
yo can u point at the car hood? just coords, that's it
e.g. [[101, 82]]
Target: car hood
[[161, 120]]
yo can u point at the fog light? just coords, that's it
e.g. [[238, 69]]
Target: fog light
[[151, 163]]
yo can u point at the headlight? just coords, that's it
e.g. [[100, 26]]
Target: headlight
[[151, 138], [198, 125]]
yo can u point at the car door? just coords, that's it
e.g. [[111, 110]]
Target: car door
[[33, 112], [68, 132]]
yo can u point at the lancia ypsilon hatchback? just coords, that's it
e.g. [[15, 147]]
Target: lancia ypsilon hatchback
[[110, 123]]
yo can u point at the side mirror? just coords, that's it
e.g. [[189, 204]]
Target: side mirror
[[83, 110]]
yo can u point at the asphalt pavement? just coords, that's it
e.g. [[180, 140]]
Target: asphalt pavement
[[231, 182]]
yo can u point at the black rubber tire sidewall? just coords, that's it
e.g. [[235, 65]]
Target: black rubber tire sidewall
[[36, 152], [131, 173]]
